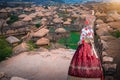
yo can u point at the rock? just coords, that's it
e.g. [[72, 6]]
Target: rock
[[104, 45], [42, 32], [109, 69], [23, 47], [12, 39], [41, 49], [109, 78], [2, 74], [107, 59], [106, 38], [60, 30], [17, 78], [57, 45], [104, 53], [43, 41], [110, 65]]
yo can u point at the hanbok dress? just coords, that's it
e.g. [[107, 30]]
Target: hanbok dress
[[85, 64]]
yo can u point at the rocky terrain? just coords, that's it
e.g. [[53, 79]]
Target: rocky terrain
[[39, 65]]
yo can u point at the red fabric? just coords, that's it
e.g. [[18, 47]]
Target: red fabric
[[83, 58], [86, 22]]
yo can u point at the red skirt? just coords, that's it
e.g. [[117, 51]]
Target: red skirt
[[84, 63]]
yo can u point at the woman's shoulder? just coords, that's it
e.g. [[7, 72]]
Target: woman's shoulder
[[85, 29]]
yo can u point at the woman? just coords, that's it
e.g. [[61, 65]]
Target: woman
[[85, 64]]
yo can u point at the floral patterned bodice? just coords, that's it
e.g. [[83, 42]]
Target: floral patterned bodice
[[86, 32]]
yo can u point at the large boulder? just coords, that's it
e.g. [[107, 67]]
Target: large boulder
[[43, 41], [12, 39], [23, 47], [42, 32]]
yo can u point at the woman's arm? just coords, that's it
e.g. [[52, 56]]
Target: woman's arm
[[82, 36]]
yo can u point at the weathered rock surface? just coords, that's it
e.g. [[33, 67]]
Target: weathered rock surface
[[37, 65]]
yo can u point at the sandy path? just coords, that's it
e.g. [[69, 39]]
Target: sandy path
[[39, 65]]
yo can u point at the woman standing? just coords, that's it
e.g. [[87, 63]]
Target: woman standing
[[85, 64]]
